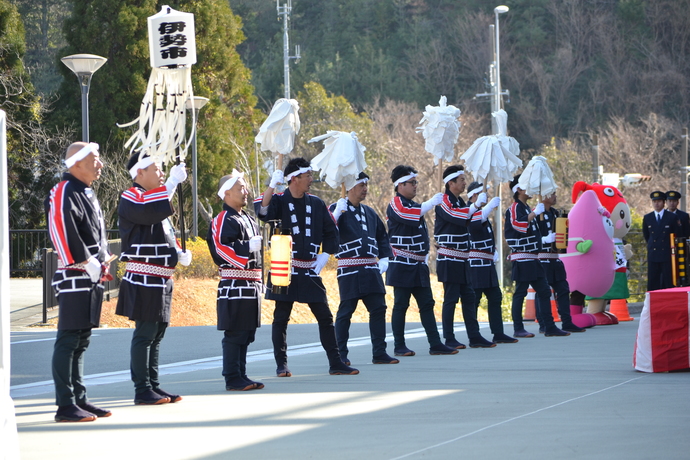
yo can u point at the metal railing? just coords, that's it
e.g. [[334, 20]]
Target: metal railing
[[26, 248]]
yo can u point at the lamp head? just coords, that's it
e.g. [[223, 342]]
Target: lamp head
[[501, 9], [83, 64]]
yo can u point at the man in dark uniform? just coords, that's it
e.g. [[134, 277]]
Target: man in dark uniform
[[553, 267], [408, 272], [524, 238], [77, 230], [312, 227], [235, 243], [452, 260], [150, 249], [362, 259], [657, 227], [482, 259], [672, 199]]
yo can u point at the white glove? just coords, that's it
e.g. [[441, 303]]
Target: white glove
[[495, 257], [340, 208], [473, 209], [539, 209], [383, 265], [178, 174], [184, 258], [255, 243], [481, 199], [493, 204], [276, 178], [93, 269], [548, 239], [321, 260], [434, 201]]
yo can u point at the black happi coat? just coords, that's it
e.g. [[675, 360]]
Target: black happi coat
[[238, 304], [523, 237], [312, 226], [407, 231], [76, 228], [554, 268], [482, 240], [145, 238], [450, 231], [362, 235]]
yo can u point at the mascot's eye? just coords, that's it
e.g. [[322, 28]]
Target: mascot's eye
[[608, 191], [622, 214]]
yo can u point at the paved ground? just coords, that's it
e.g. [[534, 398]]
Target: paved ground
[[574, 397]]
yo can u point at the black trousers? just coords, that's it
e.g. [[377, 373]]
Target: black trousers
[[541, 286], [146, 341], [235, 344], [659, 275], [494, 298], [68, 366], [452, 292], [323, 315], [425, 303], [561, 291], [376, 304]]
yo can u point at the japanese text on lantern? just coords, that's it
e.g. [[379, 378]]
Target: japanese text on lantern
[[172, 40]]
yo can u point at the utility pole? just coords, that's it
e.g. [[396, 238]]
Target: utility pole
[[284, 15], [684, 171], [595, 158]]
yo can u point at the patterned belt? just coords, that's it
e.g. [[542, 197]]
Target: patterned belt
[[239, 274], [548, 255], [523, 256], [62, 266], [143, 268], [356, 262], [481, 255], [454, 253], [300, 263], [409, 255]]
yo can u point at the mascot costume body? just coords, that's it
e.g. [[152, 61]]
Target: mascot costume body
[[613, 201]]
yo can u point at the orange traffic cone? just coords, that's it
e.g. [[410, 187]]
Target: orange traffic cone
[[554, 308], [530, 309], [619, 307]]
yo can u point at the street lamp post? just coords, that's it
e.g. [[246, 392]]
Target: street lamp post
[[195, 104], [84, 66]]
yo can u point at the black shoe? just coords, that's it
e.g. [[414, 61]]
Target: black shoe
[[481, 342], [283, 371], [239, 384], [346, 362], [257, 385], [523, 334], [452, 343], [173, 398], [150, 398], [342, 369], [73, 413], [97, 411], [442, 349], [502, 338], [384, 359], [403, 351], [573, 328], [555, 332], [541, 330]]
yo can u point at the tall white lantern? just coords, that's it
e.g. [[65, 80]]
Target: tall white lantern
[[171, 38]]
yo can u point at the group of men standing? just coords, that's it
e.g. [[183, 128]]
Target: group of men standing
[[351, 231]]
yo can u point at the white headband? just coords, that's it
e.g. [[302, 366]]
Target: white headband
[[476, 190], [515, 189], [404, 179], [297, 173], [141, 164], [450, 177], [365, 180], [234, 177], [81, 154]]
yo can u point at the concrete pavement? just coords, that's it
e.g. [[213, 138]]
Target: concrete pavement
[[572, 397]]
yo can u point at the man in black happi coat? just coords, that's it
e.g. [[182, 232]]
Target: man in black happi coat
[[313, 228], [150, 249], [362, 259], [77, 230]]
